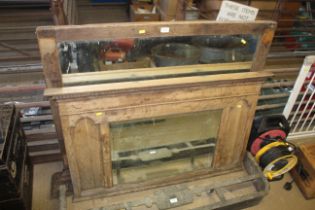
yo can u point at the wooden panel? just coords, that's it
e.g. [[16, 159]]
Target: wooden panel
[[112, 103], [143, 73], [263, 49], [232, 139], [152, 29], [85, 137], [71, 156], [308, 152], [56, 117], [156, 110], [239, 110], [106, 152], [306, 186], [50, 61], [146, 85], [306, 165]]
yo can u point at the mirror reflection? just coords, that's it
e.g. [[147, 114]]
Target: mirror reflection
[[165, 146], [119, 54]]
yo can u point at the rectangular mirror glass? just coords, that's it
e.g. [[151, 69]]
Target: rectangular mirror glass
[[146, 149], [135, 53]]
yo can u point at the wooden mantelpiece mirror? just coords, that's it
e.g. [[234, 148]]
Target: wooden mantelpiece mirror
[[129, 126]]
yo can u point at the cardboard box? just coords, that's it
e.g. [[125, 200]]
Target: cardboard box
[[168, 9], [143, 12], [210, 8], [262, 5]]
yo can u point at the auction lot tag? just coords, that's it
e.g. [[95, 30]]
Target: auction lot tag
[[231, 11]]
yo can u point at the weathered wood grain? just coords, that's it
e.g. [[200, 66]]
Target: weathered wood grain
[[238, 105], [50, 61], [49, 36], [161, 83], [178, 28], [150, 73], [87, 111]]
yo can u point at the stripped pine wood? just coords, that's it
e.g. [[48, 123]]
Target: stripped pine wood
[[170, 101], [50, 36], [87, 105], [49, 56], [121, 75], [89, 166], [214, 79]]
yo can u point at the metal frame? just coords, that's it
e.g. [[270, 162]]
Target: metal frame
[[298, 123]]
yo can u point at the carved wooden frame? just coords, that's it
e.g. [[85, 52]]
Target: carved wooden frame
[[100, 104], [49, 36], [236, 94]]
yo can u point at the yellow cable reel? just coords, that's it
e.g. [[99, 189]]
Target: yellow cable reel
[[268, 170]]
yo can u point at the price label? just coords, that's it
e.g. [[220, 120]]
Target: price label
[[231, 11]]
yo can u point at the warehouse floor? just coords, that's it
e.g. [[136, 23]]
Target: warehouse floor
[[278, 198]]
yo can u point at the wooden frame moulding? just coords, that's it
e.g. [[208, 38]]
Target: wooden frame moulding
[[85, 111], [49, 36], [118, 102]]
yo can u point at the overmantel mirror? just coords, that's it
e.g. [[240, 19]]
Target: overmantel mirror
[[146, 105]]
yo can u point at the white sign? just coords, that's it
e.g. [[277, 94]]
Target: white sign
[[165, 29], [173, 200], [231, 11]]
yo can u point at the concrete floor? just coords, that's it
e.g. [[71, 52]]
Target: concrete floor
[[278, 198], [41, 186]]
